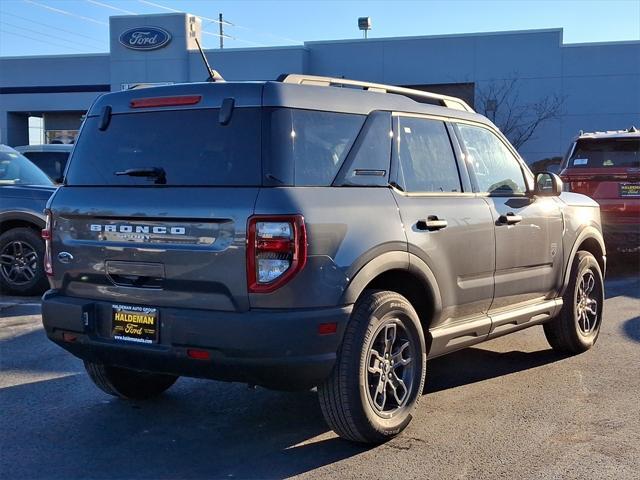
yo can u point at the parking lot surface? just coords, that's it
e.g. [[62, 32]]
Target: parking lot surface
[[510, 408]]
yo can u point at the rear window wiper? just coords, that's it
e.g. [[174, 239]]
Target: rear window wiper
[[154, 172]]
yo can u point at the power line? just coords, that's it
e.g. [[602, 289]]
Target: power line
[[122, 10], [48, 42], [64, 12], [38, 33], [224, 22], [53, 27]]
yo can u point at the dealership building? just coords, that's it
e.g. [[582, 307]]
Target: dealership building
[[597, 85]]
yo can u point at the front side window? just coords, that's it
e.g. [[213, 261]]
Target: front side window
[[496, 168], [426, 162]]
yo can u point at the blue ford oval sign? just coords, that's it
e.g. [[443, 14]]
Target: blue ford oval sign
[[145, 38]]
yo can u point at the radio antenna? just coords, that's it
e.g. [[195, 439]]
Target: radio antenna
[[214, 76]]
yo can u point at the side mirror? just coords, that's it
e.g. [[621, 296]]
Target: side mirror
[[548, 184]]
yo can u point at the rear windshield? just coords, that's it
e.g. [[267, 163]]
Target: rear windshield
[[51, 163], [190, 147], [605, 153], [17, 170]]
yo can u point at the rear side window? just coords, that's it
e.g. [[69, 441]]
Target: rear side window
[[598, 153], [315, 143], [496, 169], [426, 162], [191, 146], [51, 163]]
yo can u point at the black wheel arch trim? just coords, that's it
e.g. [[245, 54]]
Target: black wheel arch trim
[[28, 217], [394, 260], [587, 233]]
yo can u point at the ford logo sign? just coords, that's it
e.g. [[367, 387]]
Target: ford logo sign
[[145, 38]]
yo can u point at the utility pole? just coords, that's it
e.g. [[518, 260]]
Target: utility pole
[[221, 32]]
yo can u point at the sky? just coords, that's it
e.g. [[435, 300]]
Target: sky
[[43, 27]]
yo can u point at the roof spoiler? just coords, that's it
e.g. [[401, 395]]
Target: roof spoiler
[[417, 95]]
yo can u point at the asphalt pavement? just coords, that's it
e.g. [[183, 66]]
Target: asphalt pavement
[[509, 408]]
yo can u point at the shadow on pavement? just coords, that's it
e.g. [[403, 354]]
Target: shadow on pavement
[[198, 430], [631, 328], [474, 364], [66, 428]]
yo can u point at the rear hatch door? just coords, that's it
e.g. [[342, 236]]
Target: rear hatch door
[[607, 170], [155, 206]]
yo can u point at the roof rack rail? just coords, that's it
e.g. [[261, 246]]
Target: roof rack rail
[[417, 95]]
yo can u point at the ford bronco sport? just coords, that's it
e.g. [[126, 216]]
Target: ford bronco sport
[[308, 232], [606, 167]]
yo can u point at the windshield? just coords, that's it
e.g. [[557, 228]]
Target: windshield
[[17, 170], [598, 153], [190, 147]]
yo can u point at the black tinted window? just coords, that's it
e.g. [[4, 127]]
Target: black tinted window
[[496, 169], [51, 163], [189, 145], [606, 153], [425, 156], [315, 143], [368, 162]]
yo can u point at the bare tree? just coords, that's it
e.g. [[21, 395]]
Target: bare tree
[[500, 102]]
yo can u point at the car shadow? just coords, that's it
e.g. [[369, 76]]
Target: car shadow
[[631, 328], [66, 428], [474, 364]]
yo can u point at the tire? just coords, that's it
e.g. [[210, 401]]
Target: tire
[[576, 328], [357, 400], [21, 267], [128, 384]]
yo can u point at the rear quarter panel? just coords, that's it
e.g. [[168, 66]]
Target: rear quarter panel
[[346, 228]]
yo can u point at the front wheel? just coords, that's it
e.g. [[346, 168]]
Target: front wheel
[[577, 327], [379, 374]]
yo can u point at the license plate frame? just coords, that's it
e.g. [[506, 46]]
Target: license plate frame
[[135, 324], [629, 190]]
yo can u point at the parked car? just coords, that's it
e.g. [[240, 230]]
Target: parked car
[[50, 158], [606, 167], [24, 191], [294, 234]]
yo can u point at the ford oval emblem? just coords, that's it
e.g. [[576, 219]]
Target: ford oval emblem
[[145, 38]]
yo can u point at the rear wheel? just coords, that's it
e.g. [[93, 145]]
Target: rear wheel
[[21, 268], [128, 384], [379, 375], [577, 327]]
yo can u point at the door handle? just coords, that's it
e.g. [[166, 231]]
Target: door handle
[[431, 224], [509, 219]]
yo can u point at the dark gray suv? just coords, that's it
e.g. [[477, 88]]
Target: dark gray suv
[[308, 232]]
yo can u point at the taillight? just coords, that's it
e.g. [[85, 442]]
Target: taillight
[[276, 250], [47, 232]]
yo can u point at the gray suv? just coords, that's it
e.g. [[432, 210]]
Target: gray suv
[[308, 232]]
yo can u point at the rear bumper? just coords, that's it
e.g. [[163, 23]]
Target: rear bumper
[[276, 348]]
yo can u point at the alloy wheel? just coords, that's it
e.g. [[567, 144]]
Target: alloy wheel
[[587, 304], [390, 368], [18, 263]]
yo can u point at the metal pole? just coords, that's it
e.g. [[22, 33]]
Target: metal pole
[[221, 32]]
